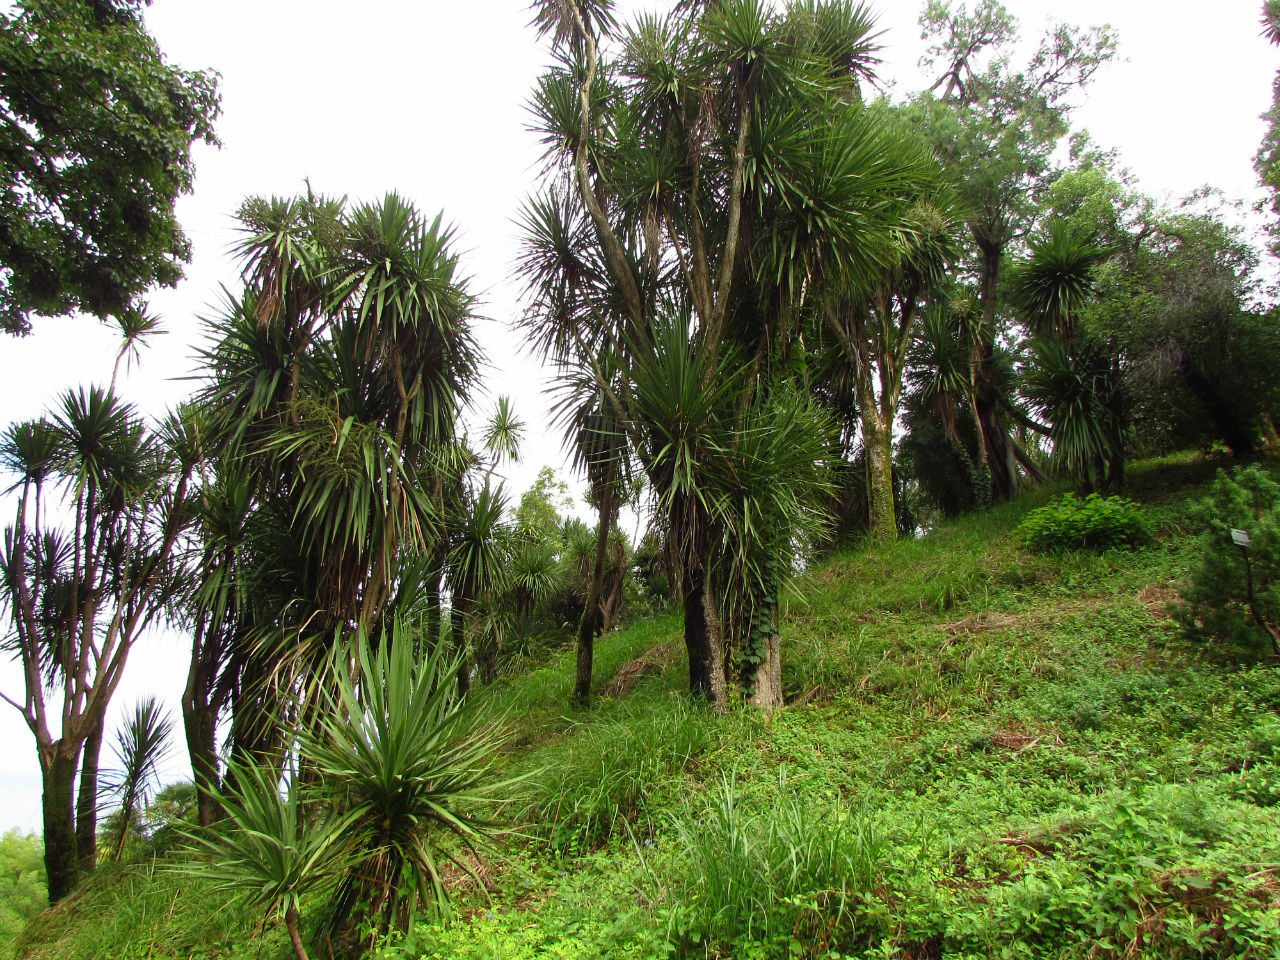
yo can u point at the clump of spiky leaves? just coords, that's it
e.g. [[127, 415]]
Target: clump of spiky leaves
[[409, 765], [269, 849], [397, 767], [142, 745]]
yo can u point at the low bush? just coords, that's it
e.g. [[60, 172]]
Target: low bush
[[22, 891], [1094, 523]]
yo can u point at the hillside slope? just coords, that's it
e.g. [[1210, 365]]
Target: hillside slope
[[988, 753]]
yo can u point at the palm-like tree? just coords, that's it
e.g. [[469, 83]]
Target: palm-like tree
[[711, 173], [477, 573], [875, 325], [336, 382], [1073, 380], [141, 747], [136, 327], [600, 450], [78, 598], [270, 849], [406, 761], [395, 761]]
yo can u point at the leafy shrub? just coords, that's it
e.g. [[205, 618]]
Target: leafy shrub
[[22, 894], [1233, 593], [1094, 523]]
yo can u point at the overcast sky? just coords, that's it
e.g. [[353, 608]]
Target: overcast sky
[[428, 99]]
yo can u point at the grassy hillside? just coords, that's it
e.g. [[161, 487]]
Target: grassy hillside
[[989, 753]]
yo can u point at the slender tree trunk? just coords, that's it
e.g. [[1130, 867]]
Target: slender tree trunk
[[200, 724], [487, 660], [715, 643], [458, 629], [433, 606], [996, 451], [61, 863], [877, 442], [697, 640], [590, 619], [611, 604], [87, 801], [291, 924]]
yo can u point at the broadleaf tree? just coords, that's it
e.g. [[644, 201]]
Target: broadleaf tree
[[95, 148]]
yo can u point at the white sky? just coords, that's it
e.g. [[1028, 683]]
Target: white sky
[[428, 99]]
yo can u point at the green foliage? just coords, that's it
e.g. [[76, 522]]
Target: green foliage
[[574, 928], [1092, 523], [140, 910], [268, 850], [1180, 306], [396, 763], [543, 507], [142, 745], [1170, 873], [97, 138], [616, 768], [1233, 593], [792, 875], [404, 764], [22, 893], [1267, 160]]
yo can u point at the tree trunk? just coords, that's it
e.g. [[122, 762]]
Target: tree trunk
[[200, 724], [87, 801], [61, 864], [997, 453], [702, 640], [458, 636], [611, 604], [487, 655], [590, 619], [766, 685], [877, 442], [291, 924]]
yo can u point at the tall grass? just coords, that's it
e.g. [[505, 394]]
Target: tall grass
[[610, 765], [141, 910], [797, 869]]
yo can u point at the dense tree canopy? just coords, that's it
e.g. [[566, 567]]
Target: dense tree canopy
[[96, 130]]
